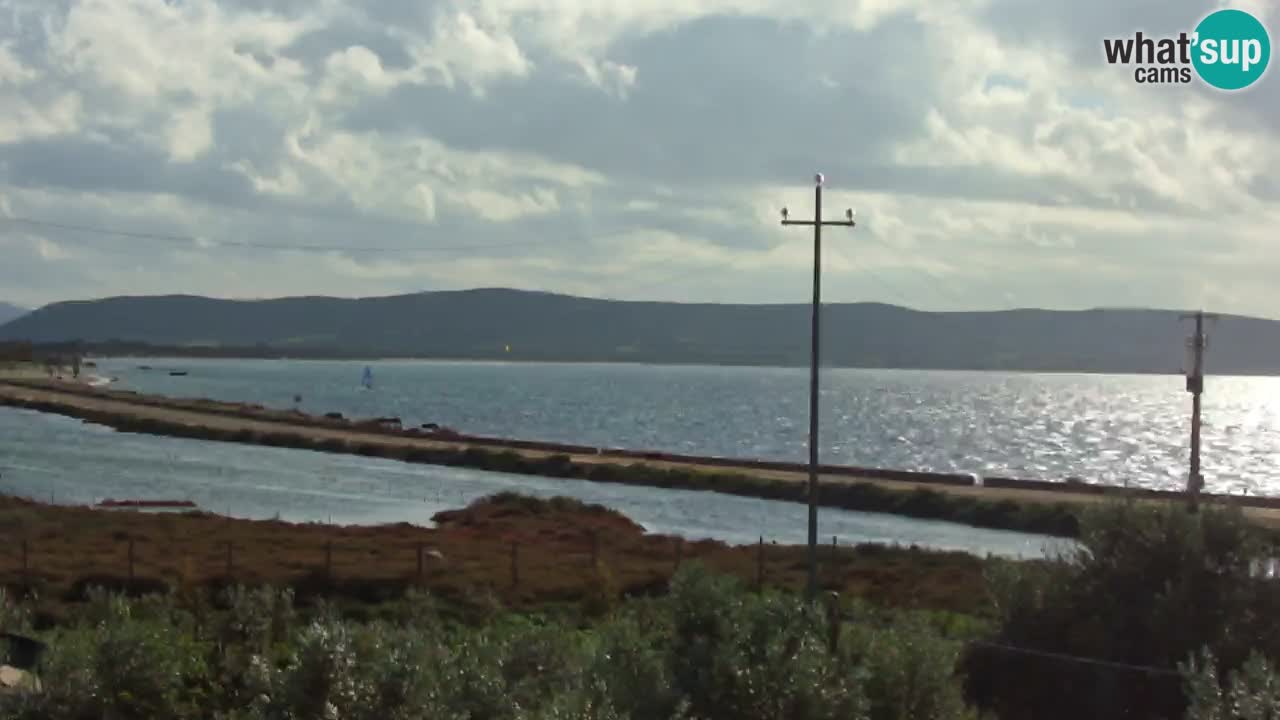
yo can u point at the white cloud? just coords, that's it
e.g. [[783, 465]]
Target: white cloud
[[499, 207], [49, 250], [190, 136], [31, 118], [355, 71], [609, 76], [285, 183], [464, 51], [12, 71]]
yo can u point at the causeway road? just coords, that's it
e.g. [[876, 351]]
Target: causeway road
[[188, 417]]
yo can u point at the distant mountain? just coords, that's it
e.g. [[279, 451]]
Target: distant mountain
[[9, 312], [481, 324]]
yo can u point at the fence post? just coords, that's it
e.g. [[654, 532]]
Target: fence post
[[328, 561], [131, 560], [515, 565], [760, 565], [833, 617]]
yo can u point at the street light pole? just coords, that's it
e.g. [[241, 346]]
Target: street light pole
[[811, 588]]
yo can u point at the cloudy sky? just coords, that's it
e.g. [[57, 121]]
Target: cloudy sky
[[634, 149]]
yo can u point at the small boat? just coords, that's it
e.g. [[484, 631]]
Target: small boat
[[177, 373], [367, 380]]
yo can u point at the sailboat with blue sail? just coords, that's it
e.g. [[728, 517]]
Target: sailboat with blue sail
[[367, 380]]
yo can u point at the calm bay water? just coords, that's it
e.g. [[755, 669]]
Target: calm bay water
[[1102, 428]]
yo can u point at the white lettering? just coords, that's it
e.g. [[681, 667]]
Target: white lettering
[[1209, 51], [1230, 51], [1252, 54]]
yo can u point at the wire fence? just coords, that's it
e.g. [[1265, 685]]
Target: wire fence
[[337, 561]]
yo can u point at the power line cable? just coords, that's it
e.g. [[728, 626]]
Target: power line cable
[[1078, 659], [1031, 652], [214, 244]]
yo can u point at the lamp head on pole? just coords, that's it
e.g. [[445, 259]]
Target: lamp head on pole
[[817, 179]]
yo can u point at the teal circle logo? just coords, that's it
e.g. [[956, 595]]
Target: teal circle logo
[[1231, 49]]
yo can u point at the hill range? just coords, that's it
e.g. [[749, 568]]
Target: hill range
[[500, 324]]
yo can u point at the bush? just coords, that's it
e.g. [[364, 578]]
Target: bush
[[1253, 692], [709, 650], [1149, 586], [123, 667], [630, 668], [910, 672], [738, 656]]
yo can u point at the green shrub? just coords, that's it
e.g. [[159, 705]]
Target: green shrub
[[124, 668], [630, 668], [740, 656], [710, 650], [1149, 586], [317, 680], [1253, 692], [910, 672]]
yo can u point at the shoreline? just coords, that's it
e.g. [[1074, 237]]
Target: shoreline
[[500, 360], [171, 353], [1004, 504]]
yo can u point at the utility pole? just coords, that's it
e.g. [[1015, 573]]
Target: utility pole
[[811, 590], [1195, 385]]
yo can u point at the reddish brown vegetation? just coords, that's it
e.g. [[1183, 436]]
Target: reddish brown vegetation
[[469, 556]]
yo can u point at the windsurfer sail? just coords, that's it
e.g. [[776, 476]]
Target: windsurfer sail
[[367, 380]]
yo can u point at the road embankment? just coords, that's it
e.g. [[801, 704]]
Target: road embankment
[[1000, 503]]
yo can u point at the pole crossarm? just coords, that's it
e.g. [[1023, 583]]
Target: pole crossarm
[[824, 223]]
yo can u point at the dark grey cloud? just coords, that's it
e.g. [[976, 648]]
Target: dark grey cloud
[[84, 165], [720, 99]]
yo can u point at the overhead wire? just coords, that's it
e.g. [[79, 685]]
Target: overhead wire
[[198, 243]]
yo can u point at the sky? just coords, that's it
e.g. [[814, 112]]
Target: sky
[[636, 149]]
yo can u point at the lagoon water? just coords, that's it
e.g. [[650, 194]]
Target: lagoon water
[[1112, 429], [1101, 428], [50, 457]]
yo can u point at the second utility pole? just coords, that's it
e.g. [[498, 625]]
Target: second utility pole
[[1195, 386], [811, 589]]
